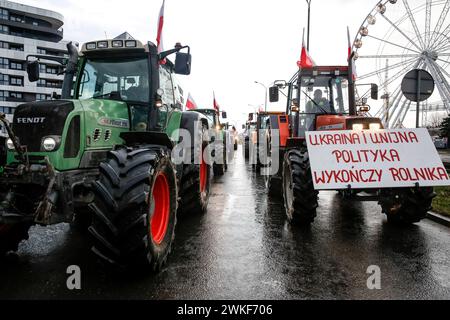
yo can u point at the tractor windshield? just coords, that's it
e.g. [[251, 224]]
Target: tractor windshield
[[323, 95], [119, 79]]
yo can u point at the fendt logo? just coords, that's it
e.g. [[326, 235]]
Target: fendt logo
[[30, 120]]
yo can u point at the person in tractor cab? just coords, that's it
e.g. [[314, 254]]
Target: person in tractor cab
[[137, 91], [318, 104]]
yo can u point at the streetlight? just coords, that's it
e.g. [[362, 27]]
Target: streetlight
[[266, 91]]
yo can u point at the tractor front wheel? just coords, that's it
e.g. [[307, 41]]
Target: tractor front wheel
[[300, 197], [135, 208], [407, 206]]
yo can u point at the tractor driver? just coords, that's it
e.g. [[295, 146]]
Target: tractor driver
[[140, 92], [318, 104]]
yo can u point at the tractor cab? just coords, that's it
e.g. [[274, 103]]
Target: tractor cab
[[322, 98], [213, 117]]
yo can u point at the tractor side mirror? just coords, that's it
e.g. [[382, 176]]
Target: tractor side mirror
[[183, 63], [243, 127], [274, 94], [374, 91], [250, 117], [33, 71], [224, 115]]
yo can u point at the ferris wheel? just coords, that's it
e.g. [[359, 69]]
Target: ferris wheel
[[395, 38]]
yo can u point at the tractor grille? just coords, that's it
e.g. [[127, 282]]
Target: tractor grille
[[34, 121]]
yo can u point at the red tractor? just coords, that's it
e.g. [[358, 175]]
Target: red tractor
[[323, 99]]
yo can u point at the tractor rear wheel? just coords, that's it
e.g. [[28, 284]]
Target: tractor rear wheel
[[196, 181], [300, 197], [407, 206], [135, 208], [11, 236]]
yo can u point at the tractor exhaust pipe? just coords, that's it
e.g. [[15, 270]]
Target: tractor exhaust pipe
[[70, 71]]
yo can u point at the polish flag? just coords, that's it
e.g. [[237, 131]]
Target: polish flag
[[190, 103], [216, 105], [306, 62], [159, 37]]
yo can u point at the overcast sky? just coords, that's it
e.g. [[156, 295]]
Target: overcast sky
[[233, 42]]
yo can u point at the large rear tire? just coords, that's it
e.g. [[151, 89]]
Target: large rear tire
[[407, 206], [300, 197], [135, 208], [196, 181]]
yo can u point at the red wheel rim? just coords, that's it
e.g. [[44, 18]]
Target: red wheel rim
[[203, 174], [161, 212]]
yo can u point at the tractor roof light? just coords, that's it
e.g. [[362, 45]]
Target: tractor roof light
[[130, 44], [102, 44], [358, 127], [117, 44], [91, 46], [375, 126]]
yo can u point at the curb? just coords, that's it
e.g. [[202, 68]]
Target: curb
[[439, 218]]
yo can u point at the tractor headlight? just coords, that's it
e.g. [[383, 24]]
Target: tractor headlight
[[358, 127], [10, 144], [49, 144], [375, 126]]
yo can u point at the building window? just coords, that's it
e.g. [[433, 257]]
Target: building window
[[42, 68], [16, 47], [4, 95], [16, 81], [4, 14], [4, 63], [7, 110], [15, 96], [41, 83], [41, 51], [51, 70], [42, 97], [4, 45], [4, 29], [4, 79], [16, 65]]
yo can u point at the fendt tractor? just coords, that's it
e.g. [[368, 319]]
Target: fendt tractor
[[220, 139], [323, 98], [101, 157]]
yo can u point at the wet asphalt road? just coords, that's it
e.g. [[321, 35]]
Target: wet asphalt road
[[244, 249]]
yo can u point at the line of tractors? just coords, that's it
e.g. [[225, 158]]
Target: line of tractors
[[106, 158]]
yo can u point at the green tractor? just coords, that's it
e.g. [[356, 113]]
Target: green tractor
[[220, 139], [106, 157]]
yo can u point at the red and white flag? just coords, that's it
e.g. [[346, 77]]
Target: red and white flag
[[350, 51], [190, 103], [159, 37], [216, 105], [306, 62]]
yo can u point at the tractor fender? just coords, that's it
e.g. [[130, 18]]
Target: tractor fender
[[147, 138]]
